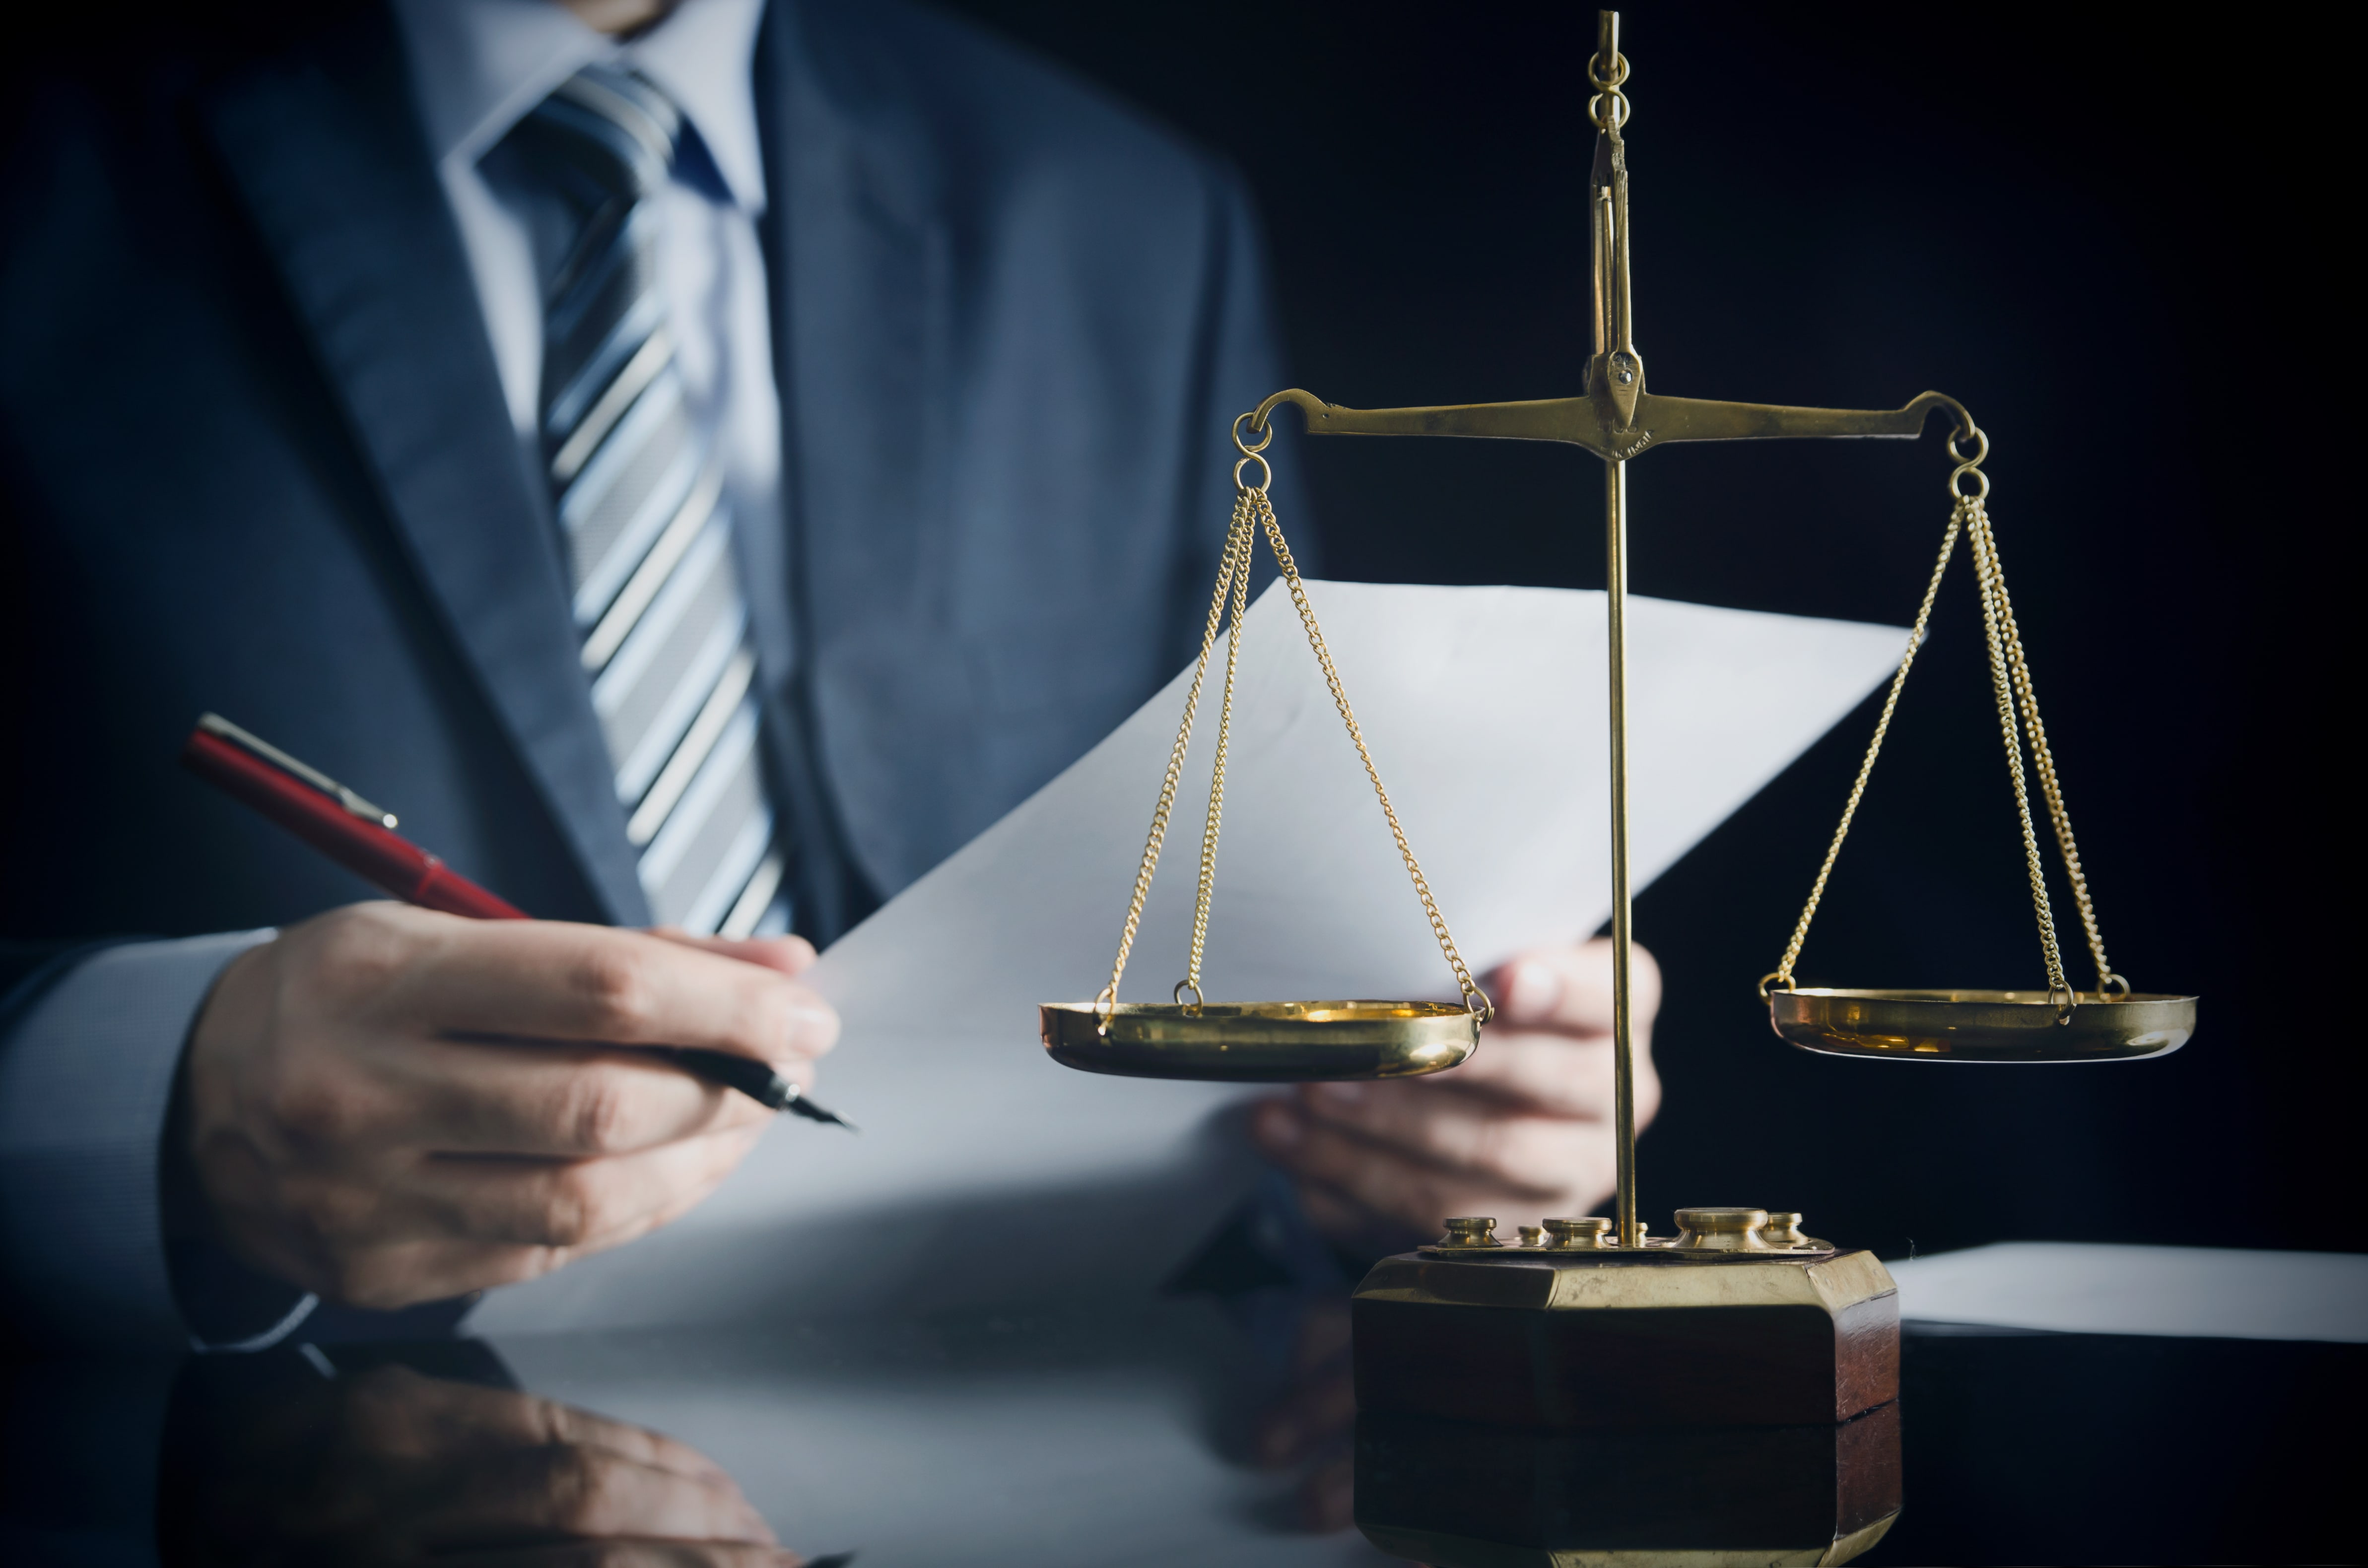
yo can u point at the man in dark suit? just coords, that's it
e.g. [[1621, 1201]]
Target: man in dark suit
[[703, 463]]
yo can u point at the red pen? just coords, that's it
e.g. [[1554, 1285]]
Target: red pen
[[359, 836]]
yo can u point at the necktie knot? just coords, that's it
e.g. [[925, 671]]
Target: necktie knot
[[604, 135]]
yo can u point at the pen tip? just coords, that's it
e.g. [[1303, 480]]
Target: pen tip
[[794, 1101]]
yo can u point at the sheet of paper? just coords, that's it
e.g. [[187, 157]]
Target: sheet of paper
[[2189, 1292], [1485, 709]]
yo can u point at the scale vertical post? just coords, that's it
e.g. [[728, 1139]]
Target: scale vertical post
[[1774, 1328], [1614, 331], [1624, 1058]]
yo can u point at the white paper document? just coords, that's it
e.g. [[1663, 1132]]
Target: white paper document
[[2189, 1292], [1485, 709]]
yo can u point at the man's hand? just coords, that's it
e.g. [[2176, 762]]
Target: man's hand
[[390, 1467], [387, 1105], [1522, 1130]]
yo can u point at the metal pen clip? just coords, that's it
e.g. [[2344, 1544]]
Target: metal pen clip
[[215, 724]]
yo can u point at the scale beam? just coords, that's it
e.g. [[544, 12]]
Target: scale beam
[[1614, 416], [1594, 421]]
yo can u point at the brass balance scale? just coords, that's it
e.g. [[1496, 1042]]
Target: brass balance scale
[[1744, 1259]]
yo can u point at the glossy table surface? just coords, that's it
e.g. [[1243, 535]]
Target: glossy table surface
[[1175, 1429]]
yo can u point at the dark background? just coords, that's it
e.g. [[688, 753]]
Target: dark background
[[2102, 233]]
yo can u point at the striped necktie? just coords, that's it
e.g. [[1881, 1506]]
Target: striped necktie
[[639, 485]]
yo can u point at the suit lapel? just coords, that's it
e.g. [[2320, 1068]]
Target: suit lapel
[[323, 147]]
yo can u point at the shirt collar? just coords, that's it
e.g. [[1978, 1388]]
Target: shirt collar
[[478, 66]]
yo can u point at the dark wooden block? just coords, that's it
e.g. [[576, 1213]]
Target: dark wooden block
[[1627, 1339], [1452, 1493]]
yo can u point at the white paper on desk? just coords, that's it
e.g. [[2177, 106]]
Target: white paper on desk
[[1485, 709], [2185, 1292]]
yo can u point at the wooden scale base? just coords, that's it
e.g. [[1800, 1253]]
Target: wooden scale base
[[1455, 1495], [1735, 1322]]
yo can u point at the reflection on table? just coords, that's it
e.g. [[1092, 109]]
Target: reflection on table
[[413, 1453], [1188, 1429]]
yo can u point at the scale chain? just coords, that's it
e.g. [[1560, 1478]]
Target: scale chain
[[1254, 512], [1224, 738], [2044, 763], [1986, 574], [2010, 677], [1235, 561]]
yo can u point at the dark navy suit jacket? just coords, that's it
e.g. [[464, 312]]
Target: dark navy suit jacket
[[255, 458]]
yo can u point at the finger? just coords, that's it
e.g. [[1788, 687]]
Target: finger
[[594, 1492], [565, 1424], [574, 1204], [1568, 987], [559, 1101], [1525, 1071], [403, 1274], [397, 1412], [387, 1237], [547, 980], [1459, 1134], [787, 955], [385, 1277], [1553, 1074], [1418, 1193]]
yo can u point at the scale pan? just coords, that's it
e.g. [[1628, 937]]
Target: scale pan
[[1262, 1042], [1981, 1026]]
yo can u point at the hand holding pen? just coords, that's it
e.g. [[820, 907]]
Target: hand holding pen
[[387, 1104]]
